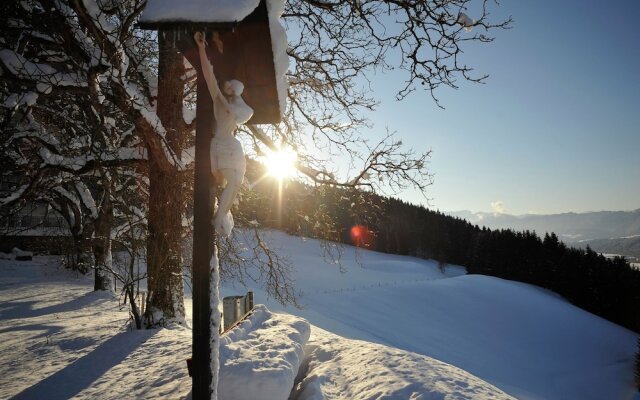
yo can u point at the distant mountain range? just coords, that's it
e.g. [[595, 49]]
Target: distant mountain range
[[616, 232]]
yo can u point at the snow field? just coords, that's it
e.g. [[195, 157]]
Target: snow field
[[408, 331], [60, 340], [526, 341]]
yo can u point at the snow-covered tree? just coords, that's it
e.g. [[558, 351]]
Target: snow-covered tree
[[78, 99], [63, 134], [78, 92]]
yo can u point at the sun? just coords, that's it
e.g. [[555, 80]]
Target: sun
[[281, 164]]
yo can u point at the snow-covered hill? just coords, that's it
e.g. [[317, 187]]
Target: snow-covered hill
[[524, 340], [389, 326]]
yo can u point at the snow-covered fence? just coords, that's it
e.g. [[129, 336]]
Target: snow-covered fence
[[234, 308]]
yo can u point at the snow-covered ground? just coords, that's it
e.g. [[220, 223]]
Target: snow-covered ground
[[59, 339], [340, 368], [525, 340], [406, 331]]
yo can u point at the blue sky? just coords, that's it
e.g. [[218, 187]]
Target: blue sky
[[556, 127]]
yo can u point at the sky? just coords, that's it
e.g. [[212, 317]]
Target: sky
[[556, 127]]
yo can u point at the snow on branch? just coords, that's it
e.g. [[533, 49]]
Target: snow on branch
[[39, 72], [87, 199], [14, 195]]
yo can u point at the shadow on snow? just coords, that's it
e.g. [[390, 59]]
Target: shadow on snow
[[80, 374]]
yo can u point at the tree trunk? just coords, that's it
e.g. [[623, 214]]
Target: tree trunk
[[165, 301], [102, 240]]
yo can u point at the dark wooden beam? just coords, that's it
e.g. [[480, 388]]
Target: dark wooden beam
[[203, 233], [203, 242]]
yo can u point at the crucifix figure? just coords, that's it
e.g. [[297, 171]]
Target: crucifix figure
[[227, 155]]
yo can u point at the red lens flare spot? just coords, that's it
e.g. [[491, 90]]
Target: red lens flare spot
[[361, 236]]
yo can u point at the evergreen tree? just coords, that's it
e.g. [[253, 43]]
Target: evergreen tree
[[638, 366]]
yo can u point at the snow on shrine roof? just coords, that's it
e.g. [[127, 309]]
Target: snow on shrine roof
[[202, 11], [159, 13], [279, 46]]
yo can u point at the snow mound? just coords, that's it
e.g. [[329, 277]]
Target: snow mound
[[340, 368], [260, 358]]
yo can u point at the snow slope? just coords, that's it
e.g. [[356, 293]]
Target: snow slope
[[430, 334], [524, 340], [60, 340]]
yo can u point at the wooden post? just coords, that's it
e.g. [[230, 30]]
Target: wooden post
[[203, 243], [248, 302], [248, 57]]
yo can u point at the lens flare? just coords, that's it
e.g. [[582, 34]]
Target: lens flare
[[281, 164], [361, 236]]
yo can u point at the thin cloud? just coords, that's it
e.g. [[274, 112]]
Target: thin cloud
[[498, 207]]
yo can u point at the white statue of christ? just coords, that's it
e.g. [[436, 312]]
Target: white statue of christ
[[227, 155]]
